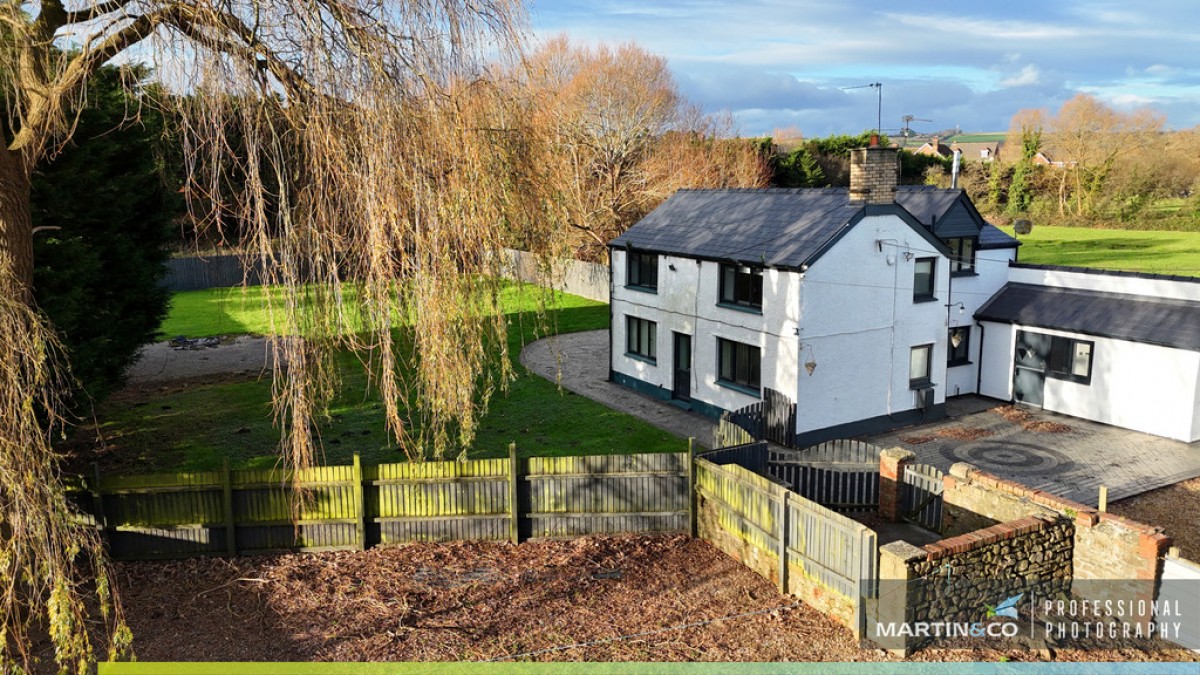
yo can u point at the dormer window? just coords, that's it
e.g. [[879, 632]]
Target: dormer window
[[741, 287], [641, 271], [962, 255]]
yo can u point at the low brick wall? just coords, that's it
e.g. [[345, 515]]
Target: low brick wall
[[1107, 546]]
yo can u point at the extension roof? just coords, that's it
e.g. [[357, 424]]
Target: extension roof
[[789, 227], [1137, 318]]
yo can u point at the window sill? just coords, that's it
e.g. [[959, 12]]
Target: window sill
[[917, 299], [652, 290], [746, 309], [643, 359], [920, 384], [1064, 377], [955, 364], [971, 273], [740, 388]]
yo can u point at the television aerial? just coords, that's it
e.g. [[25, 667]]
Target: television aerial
[[906, 131], [878, 87]]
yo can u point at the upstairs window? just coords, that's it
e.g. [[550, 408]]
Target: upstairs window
[[923, 279], [641, 339], [739, 365], [962, 255], [741, 286], [1070, 360], [641, 270]]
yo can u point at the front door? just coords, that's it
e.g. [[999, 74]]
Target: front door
[[1029, 370], [683, 366]]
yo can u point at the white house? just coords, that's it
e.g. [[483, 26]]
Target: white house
[[857, 303], [1114, 347]]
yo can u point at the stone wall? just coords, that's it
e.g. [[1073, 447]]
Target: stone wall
[[959, 578]]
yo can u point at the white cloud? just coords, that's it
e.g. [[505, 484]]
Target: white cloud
[[1029, 76]]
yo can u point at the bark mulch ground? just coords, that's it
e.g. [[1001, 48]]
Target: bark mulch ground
[[628, 598], [1174, 508]]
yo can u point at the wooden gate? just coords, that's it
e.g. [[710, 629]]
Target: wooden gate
[[842, 475], [771, 419], [922, 501]]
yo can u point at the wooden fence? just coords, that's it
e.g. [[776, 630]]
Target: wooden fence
[[842, 475], [922, 496], [774, 530], [771, 419], [351, 507]]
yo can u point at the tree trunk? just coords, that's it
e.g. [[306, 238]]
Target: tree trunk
[[16, 226]]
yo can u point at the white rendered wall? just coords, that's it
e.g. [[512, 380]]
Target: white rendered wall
[[859, 321], [1147, 388], [1111, 283], [686, 302], [991, 273], [1134, 385], [998, 354]]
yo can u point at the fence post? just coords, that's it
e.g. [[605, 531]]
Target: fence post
[[783, 540], [513, 507], [230, 522], [691, 486], [98, 505], [360, 526]]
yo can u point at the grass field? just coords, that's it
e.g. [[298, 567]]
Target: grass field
[[193, 427], [1129, 250]]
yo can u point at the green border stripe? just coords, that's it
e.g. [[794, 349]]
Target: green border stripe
[[246, 668]]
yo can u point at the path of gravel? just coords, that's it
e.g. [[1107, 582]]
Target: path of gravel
[[160, 362]]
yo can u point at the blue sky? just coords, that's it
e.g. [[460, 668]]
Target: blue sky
[[967, 63]]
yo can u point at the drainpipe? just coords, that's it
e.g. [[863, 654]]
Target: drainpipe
[[979, 363], [612, 290]]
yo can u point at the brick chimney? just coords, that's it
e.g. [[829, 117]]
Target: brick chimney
[[874, 173]]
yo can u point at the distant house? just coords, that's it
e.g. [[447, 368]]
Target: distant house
[[870, 306], [934, 148], [978, 152], [856, 303]]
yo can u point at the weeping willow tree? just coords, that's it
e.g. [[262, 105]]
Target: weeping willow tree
[[356, 147]]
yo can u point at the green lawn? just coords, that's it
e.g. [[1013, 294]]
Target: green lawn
[[1129, 250], [195, 427]]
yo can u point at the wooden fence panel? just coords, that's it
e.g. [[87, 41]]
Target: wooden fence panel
[[439, 501], [572, 496]]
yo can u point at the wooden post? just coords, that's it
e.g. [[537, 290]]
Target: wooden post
[[360, 527], [513, 507], [783, 540], [1103, 498], [98, 505], [693, 526], [230, 522]]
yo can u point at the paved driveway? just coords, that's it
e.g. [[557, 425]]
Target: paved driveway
[[579, 362], [1062, 455]]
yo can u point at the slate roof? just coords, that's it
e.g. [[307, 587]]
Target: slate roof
[[1138, 318], [772, 227]]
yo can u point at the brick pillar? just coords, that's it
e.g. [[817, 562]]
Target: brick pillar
[[1152, 548], [892, 463]]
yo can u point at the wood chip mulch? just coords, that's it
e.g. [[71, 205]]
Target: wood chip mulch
[[1173, 508], [1025, 418], [621, 598], [963, 433]]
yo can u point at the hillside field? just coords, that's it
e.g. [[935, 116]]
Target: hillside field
[[1155, 252]]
